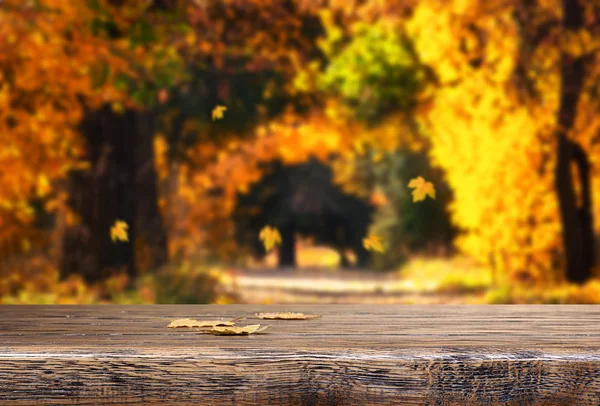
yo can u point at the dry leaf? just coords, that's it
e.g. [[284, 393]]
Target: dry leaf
[[373, 243], [237, 331], [270, 237], [218, 111], [287, 316], [119, 231], [195, 323], [422, 189]]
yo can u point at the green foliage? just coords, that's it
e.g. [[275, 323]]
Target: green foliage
[[140, 33], [375, 72]]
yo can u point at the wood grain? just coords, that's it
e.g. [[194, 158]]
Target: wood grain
[[353, 355]]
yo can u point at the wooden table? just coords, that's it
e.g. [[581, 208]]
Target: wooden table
[[353, 355]]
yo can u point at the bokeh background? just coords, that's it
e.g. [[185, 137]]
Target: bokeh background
[[332, 107]]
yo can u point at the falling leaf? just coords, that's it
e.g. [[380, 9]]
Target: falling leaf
[[270, 237], [422, 188], [163, 96], [373, 243], [236, 331], [119, 231], [287, 316], [218, 111], [195, 323], [378, 199]]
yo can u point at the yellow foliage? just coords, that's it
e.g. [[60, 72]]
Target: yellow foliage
[[496, 149], [564, 293]]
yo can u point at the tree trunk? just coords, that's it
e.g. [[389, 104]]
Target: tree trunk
[[121, 185], [577, 222], [150, 229], [287, 251]]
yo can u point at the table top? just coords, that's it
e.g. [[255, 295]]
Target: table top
[[410, 354], [434, 329]]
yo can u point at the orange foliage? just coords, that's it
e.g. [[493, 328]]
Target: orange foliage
[[39, 99], [53, 61], [234, 166]]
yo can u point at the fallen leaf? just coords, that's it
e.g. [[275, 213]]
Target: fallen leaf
[[287, 316], [237, 331], [218, 111], [422, 189], [195, 323], [119, 231], [373, 243], [270, 237]]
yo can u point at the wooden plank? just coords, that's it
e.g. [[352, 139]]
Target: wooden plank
[[353, 355]]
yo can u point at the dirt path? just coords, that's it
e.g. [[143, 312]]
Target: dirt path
[[329, 287]]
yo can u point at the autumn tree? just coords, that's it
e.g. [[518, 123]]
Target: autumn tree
[[46, 58], [508, 89], [576, 216], [79, 81], [372, 68], [488, 93], [119, 144], [247, 57]]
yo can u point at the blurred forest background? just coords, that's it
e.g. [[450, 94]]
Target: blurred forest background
[[331, 108]]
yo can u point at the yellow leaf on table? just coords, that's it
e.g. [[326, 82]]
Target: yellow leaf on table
[[218, 111], [119, 231], [373, 243], [195, 323], [287, 316], [422, 189], [270, 237], [238, 331]]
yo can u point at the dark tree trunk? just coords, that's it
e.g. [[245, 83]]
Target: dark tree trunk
[[287, 251], [121, 185], [577, 222], [150, 229], [341, 244], [362, 255]]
